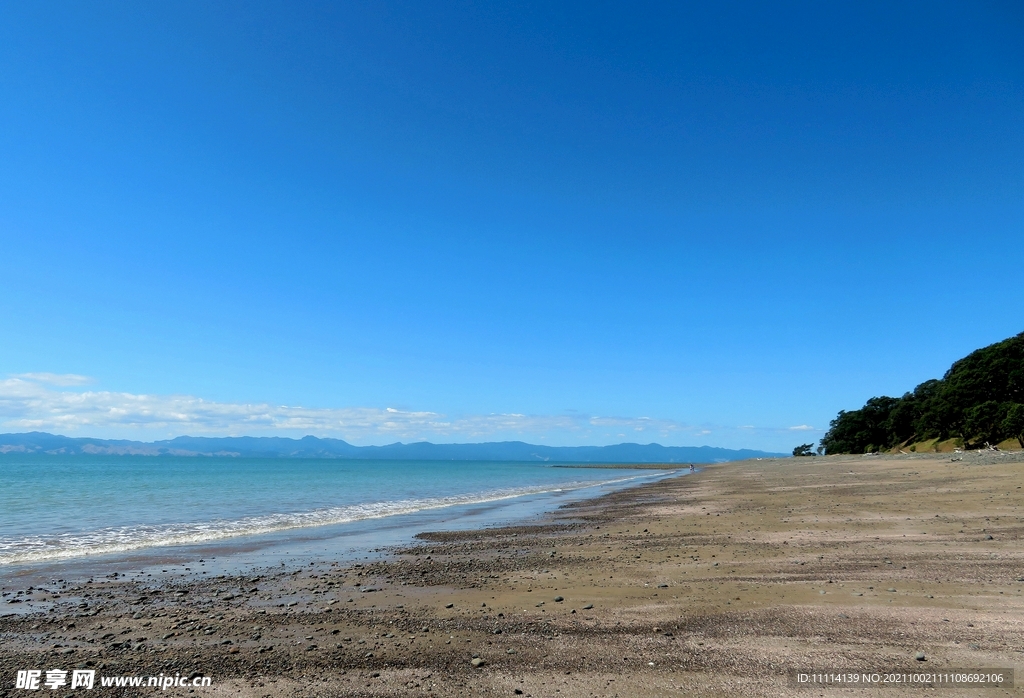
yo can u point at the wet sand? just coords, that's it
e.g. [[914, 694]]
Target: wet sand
[[718, 583]]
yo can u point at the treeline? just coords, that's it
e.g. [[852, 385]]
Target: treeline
[[980, 400]]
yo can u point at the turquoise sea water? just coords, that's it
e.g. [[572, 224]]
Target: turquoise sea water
[[61, 508]]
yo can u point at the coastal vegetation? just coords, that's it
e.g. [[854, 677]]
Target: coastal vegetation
[[979, 401]]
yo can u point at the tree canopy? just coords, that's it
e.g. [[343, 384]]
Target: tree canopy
[[980, 399], [803, 450]]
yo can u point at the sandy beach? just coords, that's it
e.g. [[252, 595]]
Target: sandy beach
[[720, 583]]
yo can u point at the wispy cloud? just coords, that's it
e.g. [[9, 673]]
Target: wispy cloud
[[63, 404], [60, 379], [31, 402]]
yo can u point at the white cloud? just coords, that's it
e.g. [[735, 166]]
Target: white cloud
[[638, 424], [60, 403], [30, 402], [61, 379]]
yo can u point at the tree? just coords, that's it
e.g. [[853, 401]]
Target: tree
[[863, 430], [804, 450], [974, 400], [1013, 422], [903, 416], [984, 422]]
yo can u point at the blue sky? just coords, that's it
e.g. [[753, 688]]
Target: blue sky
[[564, 223]]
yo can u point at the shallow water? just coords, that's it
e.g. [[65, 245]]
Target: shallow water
[[68, 509]]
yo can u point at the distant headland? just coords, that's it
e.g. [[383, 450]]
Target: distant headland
[[313, 447]]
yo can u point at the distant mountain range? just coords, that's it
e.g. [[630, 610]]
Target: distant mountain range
[[313, 447]]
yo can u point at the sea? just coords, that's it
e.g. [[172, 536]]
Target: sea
[[91, 513]]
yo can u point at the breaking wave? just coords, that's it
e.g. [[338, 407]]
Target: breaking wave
[[42, 548]]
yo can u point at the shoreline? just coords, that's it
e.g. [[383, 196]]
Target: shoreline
[[717, 583], [343, 530], [348, 541], [630, 466]]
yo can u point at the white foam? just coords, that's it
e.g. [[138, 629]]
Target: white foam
[[44, 548]]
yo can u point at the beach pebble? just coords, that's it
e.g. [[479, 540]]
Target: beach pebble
[[588, 607], [919, 656], [559, 599], [449, 605], [891, 589], [478, 661]]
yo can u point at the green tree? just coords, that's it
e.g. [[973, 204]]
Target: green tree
[[859, 431], [1013, 422], [984, 422], [804, 450], [901, 423], [974, 400]]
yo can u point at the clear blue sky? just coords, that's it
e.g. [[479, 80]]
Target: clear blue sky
[[501, 220]]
